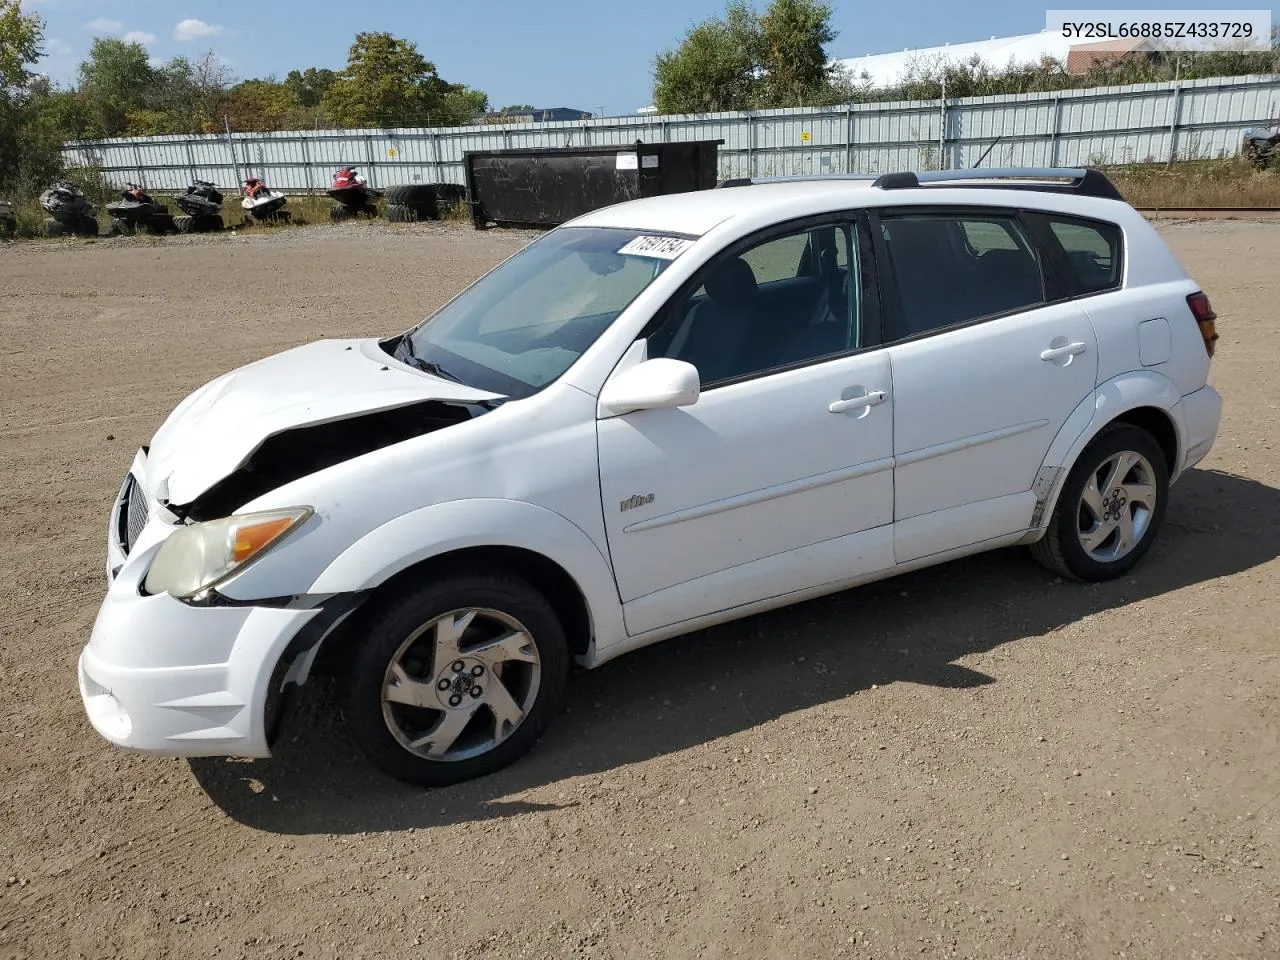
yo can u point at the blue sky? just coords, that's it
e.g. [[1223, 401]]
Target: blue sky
[[585, 54]]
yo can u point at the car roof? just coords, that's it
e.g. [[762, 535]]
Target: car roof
[[747, 205], [698, 212]]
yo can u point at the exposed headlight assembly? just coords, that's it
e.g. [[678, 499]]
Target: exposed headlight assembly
[[196, 558]]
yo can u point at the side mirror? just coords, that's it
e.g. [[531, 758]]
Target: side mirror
[[651, 385]]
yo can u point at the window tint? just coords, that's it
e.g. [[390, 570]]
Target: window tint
[[785, 301], [779, 260], [951, 269], [1093, 252], [523, 324], [566, 289]]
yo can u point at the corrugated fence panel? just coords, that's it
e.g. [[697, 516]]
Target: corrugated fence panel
[[1190, 119]]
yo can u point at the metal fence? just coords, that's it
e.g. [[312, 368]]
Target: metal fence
[[1124, 124]]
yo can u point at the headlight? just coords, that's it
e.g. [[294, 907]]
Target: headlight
[[200, 556]]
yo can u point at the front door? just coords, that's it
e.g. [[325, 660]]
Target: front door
[[986, 371], [780, 476]]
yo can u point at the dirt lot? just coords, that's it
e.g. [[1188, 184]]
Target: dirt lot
[[974, 761]]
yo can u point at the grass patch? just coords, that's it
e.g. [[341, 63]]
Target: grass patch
[[303, 210], [1230, 182]]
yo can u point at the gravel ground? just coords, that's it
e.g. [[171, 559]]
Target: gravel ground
[[973, 761]]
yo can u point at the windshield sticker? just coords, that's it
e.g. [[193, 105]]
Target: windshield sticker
[[664, 248]]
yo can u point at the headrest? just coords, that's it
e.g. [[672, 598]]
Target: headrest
[[733, 282]]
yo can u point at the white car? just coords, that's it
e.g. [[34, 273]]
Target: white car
[[663, 415]]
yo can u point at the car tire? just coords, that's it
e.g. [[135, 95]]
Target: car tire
[[211, 223], [183, 224], [423, 645], [1088, 537], [340, 211], [87, 227]]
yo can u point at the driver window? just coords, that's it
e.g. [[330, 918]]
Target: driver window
[[785, 301]]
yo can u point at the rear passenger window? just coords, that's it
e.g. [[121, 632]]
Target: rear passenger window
[[951, 268], [1093, 252]]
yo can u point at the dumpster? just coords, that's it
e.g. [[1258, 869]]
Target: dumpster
[[545, 186]]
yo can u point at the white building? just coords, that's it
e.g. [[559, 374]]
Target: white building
[[889, 69], [1028, 49]]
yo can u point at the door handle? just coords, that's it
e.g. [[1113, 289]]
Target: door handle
[[858, 403], [1070, 350]]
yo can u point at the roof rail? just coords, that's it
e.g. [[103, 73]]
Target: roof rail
[[800, 178], [1082, 181]]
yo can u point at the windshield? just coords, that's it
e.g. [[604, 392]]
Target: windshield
[[525, 323]]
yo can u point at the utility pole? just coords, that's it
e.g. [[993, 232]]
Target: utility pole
[[235, 161]]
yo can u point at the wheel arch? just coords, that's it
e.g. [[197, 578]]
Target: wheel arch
[[552, 553], [1142, 398]]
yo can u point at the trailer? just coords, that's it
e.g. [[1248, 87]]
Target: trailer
[[546, 186]]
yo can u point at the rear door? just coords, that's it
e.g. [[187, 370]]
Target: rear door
[[986, 370]]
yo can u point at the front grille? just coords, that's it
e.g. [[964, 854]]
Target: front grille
[[133, 513]]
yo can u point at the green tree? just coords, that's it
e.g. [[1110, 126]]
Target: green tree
[[21, 37], [116, 80], [388, 83], [793, 58], [309, 86], [262, 105], [461, 104], [716, 66]]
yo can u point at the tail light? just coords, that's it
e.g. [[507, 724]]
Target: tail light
[[1206, 319]]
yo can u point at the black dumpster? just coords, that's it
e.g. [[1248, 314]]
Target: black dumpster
[[545, 186]]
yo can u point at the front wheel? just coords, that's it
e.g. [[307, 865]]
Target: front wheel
[[457, 679], [1110, 509]]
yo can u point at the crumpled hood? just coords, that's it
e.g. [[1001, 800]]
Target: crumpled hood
[[215, 429]]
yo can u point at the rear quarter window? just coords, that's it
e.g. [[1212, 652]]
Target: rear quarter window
[[1094, 251]]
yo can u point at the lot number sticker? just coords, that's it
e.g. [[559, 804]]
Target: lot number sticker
[[663, 248]]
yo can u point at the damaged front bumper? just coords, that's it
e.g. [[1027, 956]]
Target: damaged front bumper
[[164, 676]]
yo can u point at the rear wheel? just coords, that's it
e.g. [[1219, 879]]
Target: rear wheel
[[183, 224], [1110, 509], [340, 211], [211, 223], [457, 679], [87, 227]]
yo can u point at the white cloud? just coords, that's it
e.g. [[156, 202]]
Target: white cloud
[[103, 25], [138, 36], [197, 30], [58, 48]]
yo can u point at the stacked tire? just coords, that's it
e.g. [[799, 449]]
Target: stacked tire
[[208, 224], [160, 224], [279, 216], [411, 202], [341, 211], [79, 227]]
